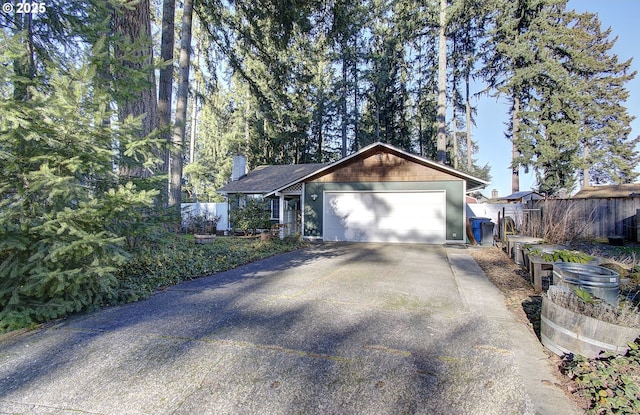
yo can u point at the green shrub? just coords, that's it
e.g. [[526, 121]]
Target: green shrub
[[65, 215], [176, 258], [610, 383], [563, 255], [157, 261], [251, 217]]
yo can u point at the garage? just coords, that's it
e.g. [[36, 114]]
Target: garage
[[385, 216]]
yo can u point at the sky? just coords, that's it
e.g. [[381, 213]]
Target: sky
[[622, 17]]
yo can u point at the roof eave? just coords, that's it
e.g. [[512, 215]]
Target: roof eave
[[246, 192], [474, 182]]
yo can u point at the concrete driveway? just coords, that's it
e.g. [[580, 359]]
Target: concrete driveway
[[332, 329]]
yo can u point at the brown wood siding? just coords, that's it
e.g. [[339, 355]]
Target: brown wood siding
[[384, 167]]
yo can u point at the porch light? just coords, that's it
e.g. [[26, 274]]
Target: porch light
[[314, 197]]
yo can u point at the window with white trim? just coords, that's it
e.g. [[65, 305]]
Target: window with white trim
[[275, 209]]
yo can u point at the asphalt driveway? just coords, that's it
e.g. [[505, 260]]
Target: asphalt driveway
[[332, 329]]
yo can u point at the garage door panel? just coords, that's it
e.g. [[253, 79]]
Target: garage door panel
[[416, 217]]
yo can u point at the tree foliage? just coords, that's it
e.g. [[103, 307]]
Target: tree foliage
[[251, 215], [544, 58], [337, 77], [65, 214], [281, 81]]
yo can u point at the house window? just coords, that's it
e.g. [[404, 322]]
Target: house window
[[275, 209]]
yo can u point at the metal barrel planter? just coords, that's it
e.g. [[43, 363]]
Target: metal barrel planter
[[518, 253], [565, 331], [517, 243], [599, 281]]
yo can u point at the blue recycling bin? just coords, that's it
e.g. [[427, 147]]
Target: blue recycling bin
[[476, 227]]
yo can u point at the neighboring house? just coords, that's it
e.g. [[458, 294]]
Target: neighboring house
[[608, 191], [520, 197], [379, 194]]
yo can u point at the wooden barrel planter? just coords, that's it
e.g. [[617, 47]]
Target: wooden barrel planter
[[563, 331], [204, 238]]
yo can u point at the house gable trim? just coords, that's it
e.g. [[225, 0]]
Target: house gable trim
[[382, 148]]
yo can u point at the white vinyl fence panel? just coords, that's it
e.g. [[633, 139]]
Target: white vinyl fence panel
[[208, 211]]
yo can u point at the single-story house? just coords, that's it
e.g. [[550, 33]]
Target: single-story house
[[520, 197], [379, 194]]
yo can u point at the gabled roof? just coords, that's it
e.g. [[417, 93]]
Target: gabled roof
[[520, 195], [266, 179], [269, 180], [606, 191], [473, 183]]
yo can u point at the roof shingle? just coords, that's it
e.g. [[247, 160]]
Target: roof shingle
[[265, 179], [606, 191]]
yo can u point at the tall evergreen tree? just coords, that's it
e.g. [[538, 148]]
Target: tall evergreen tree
[[509, 63], [386, 113], [562, 127], [469, 21], [64, 214], [165, 83], [442, 83], [608, 154], [348, 19], [134, 52], [179, 131], [548, 139]]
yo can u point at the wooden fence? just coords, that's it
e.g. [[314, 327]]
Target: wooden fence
[[591, 218]]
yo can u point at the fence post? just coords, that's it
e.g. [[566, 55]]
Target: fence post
[[637, 225], [541, 222], [504, 227]]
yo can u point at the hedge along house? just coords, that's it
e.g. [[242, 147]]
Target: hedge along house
[[379, 194]]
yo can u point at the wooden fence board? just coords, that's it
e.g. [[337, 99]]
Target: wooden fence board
[[601, 217]]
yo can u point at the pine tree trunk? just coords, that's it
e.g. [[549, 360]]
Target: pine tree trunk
[[585, 172], [454, 128], [134, 24], [247, 111], [345, 91], [515, 168], [179, 130], [442, 85], [165, 85], [468, 114], [25, 68], [194, 124], [356, 114]]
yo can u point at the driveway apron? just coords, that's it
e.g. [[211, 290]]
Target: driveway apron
[[331, 329]]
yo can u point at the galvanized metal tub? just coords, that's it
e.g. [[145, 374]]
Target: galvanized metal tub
[[599, 281]]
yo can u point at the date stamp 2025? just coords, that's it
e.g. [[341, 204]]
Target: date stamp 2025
[[24, 7]]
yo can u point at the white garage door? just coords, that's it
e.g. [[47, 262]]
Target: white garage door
[[411, 217]]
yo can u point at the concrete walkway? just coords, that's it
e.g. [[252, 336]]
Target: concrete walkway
[[332, 329]]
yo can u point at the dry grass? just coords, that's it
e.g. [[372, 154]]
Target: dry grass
[[513, 282], [558, 221], [623, 315]]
